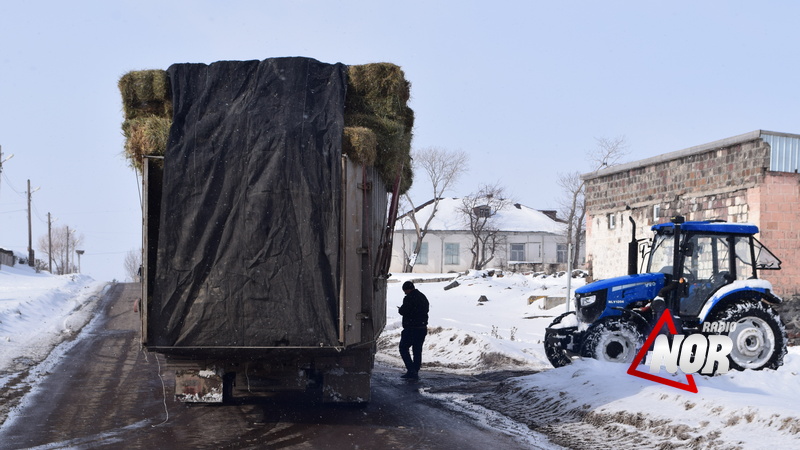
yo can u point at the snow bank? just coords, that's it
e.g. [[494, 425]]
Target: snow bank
[[466, 335], [38, 311]]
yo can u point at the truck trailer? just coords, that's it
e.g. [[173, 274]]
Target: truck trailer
[[266, 245]]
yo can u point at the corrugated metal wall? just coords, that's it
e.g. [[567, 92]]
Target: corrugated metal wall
[[784, 153]]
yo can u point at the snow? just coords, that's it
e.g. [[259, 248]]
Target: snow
[[580, 405], [510, 218], [39, 311]]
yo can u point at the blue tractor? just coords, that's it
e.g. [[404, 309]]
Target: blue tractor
[[705, 273]]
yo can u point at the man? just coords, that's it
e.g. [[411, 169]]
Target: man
[[415, 327]]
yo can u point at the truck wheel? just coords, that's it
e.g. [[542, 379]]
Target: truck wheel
[[228, 382], [554, 338], [759, 338], [614, 340]]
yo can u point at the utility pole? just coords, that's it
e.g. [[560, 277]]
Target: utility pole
[[66, 268], [30, 245], [2, 161], [49, 244]]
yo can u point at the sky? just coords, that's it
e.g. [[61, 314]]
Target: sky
[[525, 88]]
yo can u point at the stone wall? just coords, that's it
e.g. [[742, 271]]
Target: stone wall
[[775, 206], [688, 185], [790, 315]]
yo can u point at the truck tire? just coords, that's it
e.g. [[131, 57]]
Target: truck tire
[[228, 383], [554, 336], [614, 339], [759, 338]]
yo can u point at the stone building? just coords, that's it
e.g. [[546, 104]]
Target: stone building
[[751, 178]]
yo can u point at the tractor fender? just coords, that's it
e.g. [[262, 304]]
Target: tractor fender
[[739, 289]]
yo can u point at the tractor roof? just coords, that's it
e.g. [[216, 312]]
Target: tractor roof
[[712, 227]]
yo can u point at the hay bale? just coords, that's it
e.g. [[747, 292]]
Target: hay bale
[[379, 88], [146, 93], [377, 97], [145, 136], [360, 144], [147, 105]]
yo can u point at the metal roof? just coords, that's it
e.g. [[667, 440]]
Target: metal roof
[[784, 153]]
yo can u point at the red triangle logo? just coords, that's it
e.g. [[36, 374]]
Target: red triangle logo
[[666, 317]]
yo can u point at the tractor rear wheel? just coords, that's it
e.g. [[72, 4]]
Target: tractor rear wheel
[[759, 338], [613, 339]]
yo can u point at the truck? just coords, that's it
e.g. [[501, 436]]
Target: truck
[[705, 273], [266, 246]]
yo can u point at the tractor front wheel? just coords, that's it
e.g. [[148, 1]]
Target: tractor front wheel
[[557, 338]]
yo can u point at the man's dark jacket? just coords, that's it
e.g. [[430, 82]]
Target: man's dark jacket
[[414, 310]]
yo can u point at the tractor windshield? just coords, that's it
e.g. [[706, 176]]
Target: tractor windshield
[[661, 253]]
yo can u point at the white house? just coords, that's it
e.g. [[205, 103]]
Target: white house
[[530, 240]]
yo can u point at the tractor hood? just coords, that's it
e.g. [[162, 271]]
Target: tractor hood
[[624, 282]]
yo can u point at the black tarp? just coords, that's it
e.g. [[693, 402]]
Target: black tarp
[[249, 230]]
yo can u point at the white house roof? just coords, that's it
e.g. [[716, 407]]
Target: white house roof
[[514, 217]]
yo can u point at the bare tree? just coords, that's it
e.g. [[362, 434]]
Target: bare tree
[[479, 211], [133, 265], [573, 206], [443, 168], [64, 242]]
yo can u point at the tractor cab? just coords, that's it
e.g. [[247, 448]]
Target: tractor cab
[[704, 257]]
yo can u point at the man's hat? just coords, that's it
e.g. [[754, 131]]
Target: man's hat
[[408, 286]]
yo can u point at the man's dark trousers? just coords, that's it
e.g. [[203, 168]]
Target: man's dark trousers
[[412, 338]]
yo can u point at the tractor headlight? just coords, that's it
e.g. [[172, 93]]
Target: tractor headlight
[[588, 300]]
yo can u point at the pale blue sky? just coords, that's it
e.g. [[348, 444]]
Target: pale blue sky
[[523, 87]]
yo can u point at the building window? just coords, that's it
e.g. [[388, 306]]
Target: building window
[[612, 221], [451, 254], [422, 256], [517, 252], [561, 253]]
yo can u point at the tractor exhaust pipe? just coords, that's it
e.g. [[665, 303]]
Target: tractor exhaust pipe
[[633, 250]]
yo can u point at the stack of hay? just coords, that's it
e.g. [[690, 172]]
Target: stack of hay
[[147, 104], [378, 121]]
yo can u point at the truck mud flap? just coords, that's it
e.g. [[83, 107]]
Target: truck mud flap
[[346, 378], [198, 386], [346, 387]]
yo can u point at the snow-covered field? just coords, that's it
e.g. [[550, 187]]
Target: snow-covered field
[[585, 405]]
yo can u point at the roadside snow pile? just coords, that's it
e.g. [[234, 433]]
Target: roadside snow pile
[[591, 401], [467, 333], [38, 311]]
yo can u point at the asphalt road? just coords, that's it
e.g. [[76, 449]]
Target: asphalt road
[[108, 393]]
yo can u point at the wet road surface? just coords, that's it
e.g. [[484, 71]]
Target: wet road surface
[[108, 393]]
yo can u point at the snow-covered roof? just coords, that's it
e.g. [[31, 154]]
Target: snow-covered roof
[[513, 217]]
